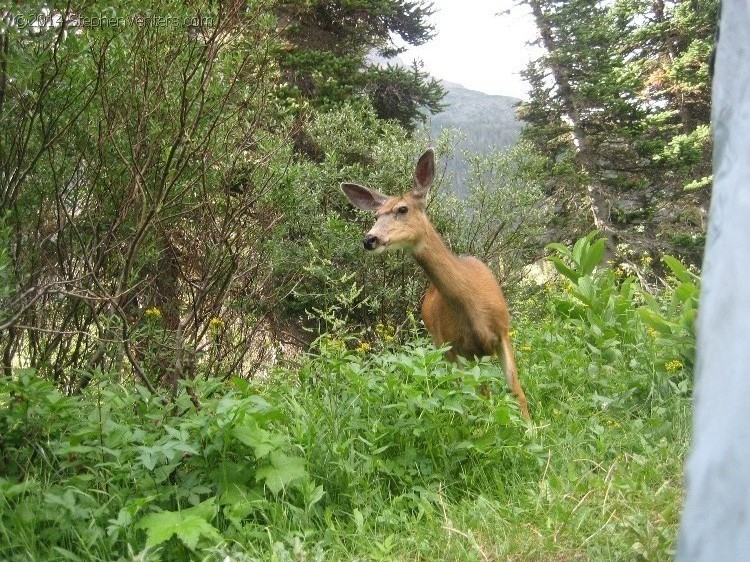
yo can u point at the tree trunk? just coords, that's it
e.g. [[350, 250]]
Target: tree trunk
[[596, 195]]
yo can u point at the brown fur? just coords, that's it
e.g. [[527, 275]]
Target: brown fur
[[464, 305]]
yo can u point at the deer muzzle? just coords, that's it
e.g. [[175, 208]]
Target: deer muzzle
[[371, 242]]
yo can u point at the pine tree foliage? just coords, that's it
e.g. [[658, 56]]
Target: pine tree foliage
[[326, 57], [620, 103]]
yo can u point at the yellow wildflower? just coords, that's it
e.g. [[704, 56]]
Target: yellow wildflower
[[385, 332], [673, 366], [333, 345], [153, 313]]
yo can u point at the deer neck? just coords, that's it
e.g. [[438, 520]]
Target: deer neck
[[441, 266]]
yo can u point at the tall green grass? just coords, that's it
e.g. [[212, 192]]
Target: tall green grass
[[395, 455]]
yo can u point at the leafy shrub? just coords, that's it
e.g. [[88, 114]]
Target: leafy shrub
[[671, 317], [618, 319], [116, 463], [115, 469], [595, 300], [316, 250], [411, 421]]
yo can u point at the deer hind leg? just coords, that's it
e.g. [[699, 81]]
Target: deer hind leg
[[511, 374]]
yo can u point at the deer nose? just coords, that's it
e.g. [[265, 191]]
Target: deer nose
[[371, 242]]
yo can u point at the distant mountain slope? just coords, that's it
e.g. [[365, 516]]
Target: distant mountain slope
[[487, 122]]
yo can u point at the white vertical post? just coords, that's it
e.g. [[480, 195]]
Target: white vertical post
[[715, 523]]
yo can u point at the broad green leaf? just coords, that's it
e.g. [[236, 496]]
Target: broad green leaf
[[563, 250], [149, 456], [501, 415], [12, 490], [689, 317], [454, 404], [564, 270], [315, 496], [463, 445], [592, 257], [189, 525], [282, 471], [206, 509], [578, 249], [124, 519], [679, 270], [655, 321], [262, 442], [65, 553], [359, 519], [189, 529], [239, 383], [685, 292], [240, 501], [262, 410], [586, 290]]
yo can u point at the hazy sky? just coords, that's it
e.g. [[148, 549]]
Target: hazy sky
[[477, 48]]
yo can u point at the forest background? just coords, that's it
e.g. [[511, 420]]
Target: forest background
[[199, 362]]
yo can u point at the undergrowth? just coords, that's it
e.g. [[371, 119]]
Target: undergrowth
[[395, 455]]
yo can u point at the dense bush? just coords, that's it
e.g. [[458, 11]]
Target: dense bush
[[90, 475], [134, 155]]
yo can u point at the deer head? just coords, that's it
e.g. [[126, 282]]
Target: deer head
[[401, 221]]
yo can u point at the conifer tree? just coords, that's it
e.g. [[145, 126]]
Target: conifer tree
[[332, 51], [621, 95]]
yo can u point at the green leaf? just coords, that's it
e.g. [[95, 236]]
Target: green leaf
[[149, 457], [578, 249], [564, 270], [560, 248], [262, 442], [239, 383], [586, 291], [501, 415], [686, 292], [189, 529], [592, 257], [679, 270], [461, 445], [12, 490], [314, 496], [655, 321], [282, 471], [65, 553], [124, 519], [454, 404], [189, 525], [240, 502], [206, 509], [359, 519]]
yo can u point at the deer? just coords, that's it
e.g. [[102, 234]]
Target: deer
[[464, 306]]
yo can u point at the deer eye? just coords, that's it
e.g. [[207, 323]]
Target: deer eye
[[402, 210]]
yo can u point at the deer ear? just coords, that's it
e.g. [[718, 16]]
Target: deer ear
[[424, 173], [363, 197]]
